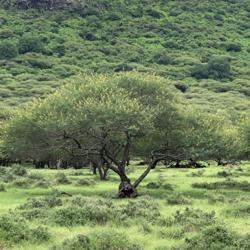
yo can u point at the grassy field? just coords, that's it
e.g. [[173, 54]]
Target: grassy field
[[172, 207]]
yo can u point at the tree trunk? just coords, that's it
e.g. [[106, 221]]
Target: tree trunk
[[94, 170], [127, 190]]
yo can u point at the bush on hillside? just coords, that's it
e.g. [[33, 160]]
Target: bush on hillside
[[217, 68], [30, 43], [8, 50], [233, 47]]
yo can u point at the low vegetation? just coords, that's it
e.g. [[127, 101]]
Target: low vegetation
[[65, 216]]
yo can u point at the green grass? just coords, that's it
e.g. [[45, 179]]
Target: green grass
[[157, 236]]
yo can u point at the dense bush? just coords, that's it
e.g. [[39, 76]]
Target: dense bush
[[13, 229], [82, 211], [159, 184], [178, 199], [8, 50], [85, 182], [18, 170], [61, 178], [145, 208], [224, 174], [235, 47], [217, 68], [111, 240], [2, 188], [30, 43], [217, 237], [161, 57], [40, 233], [49, 201], [194, 218]]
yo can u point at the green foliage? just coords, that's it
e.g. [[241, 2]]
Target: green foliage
[[2, 188], [13, 229], [101, 240], [235, 47], [217, 68], [30, 43], [85, 182], [95, 36], [40, 233], [227, 184], [61, 178], [217, 237], [19, 170], [8, 50], [178, 199]]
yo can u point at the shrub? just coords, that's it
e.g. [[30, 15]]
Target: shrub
[[161, 57], [45, 202], [85, 182], [153, 185], [214, 198], [40, 63], [40, 233], [200, 71], [36, 213], [217, 68], [21, 182], [159, 184], [2, 188], [36, 176], [217, 237], [42, 184], [171, 44], [83, 210], [6, 33], [167, 186], [79, 242], [33, 203], [13, 229], [30, 43], [178, 200], [194, 218], [3, 171], [146, 227], [111, 240], [61, 178], [154, 13], [243, 211], [70, 216], [235, 47], [18, 170], [8, 177], [144, 208], [182, 87], [8, 50], [198, 173], [224, 174]]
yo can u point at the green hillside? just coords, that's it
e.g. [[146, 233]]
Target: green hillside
[[202, 46]]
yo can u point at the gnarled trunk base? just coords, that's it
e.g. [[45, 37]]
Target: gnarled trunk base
[[126, 190]]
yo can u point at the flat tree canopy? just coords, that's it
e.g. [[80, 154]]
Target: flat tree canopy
[[106, 120]]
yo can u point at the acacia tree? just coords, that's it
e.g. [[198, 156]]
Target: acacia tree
[[5, 114], [207, 136], [102, 119]]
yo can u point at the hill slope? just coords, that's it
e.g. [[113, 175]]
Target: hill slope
[[203, 46]]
